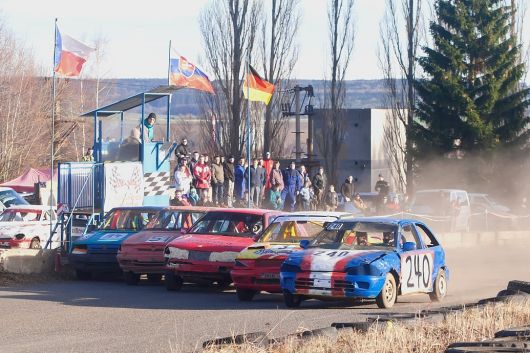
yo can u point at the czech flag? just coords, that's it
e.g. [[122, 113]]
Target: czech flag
[[257, 89], [70, 55], [183, 73]]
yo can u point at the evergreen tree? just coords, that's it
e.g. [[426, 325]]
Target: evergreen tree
[[472, 90]]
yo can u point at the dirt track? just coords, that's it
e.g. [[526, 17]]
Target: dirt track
[[108, 316]]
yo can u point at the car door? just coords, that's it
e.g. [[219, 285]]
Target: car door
[[431, 243], [417, 264]]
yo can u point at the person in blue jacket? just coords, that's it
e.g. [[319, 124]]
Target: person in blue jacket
[[292, 185], [239, 180]]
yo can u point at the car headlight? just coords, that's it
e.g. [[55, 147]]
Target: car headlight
[[19, 236], [364, 270]]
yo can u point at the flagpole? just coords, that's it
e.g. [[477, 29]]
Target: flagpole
[[53, 126], [248, 127], [169, 62]]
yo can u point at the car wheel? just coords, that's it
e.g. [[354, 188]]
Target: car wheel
[[154, 277], [172, 281], [35, 243], [440, 287], [388, 295], [83, 275], [245, 295], [131, 278], [292, 300]]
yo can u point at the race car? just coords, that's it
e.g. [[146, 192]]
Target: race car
[[96, 252], [27, 226], [143, 252], [257, 267], [207, 253], [374, 258]]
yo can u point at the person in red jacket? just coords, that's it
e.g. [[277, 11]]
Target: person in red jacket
[[202, 175], [268, 164]]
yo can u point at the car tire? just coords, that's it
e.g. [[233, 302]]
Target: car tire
[[388, 295], [154, 277], [245, 295], [292, 300], [35, 244], [83, 275], [131, 278], [223, 284], [439, 289], [172, 281]]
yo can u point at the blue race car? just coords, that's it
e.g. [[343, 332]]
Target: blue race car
[[96, 251], [377, 258]]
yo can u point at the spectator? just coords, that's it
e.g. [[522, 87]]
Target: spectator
[[348, 189], [202, 175], [331, 199], [148, 128], [89, 155], [209, 195], [306, 195], [319, 185], [382, 187], [303, 175], [275, 198], [268, 165], [182, 149], [218, 181], [229, 170], [276, 177], [193, 197], [359, 203], [179, 199], [194, 160], [183, 178], [257, 181], [291, 181], [239, 180]]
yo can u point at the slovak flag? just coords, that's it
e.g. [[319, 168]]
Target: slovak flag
[[183, 73], [70, 55]]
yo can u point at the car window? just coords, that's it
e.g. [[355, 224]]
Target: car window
[[356, 235], [10, 198], [128, 219], [229, 223], [426, 236], [291, 231], [407, 235]]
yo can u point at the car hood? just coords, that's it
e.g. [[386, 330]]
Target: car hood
[[150, 237], [197, 242], [268, 251], [10, 229], [333, 260], [109, 237]]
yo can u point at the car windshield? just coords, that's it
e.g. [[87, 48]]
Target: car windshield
[[20, 216], [287, 230], [10, 198], [229, 223], [134, 220], [174, 220], [356, 236]]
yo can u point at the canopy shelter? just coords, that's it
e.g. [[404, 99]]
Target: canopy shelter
[[26, 182]]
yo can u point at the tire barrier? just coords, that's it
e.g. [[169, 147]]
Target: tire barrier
[[258, 339], [509, 340]]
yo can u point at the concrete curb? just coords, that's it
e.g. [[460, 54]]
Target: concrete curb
[[27, 261]]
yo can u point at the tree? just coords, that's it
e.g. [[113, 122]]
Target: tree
[[280, 54], [228, 30], [471, 98], [341, 37], [401, 33]]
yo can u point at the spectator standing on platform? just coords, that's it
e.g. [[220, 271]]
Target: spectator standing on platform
[[229, 170], [331, 199], [276, 177], [268, 165], [257, 181], [182, 150], [382, 187], [319, 186], [194, 160], [306, 196], [183, 178], [274, 198], [218, 181], [89, 155], [179, 199]]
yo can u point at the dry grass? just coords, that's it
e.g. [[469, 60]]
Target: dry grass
[[469, 325]]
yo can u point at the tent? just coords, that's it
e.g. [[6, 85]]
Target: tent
[[26, 182]]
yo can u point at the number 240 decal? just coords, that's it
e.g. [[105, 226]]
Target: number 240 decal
[[416, 272]]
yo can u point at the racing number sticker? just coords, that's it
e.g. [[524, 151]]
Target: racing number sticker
[[112, 237], [331, 253], [416, 272], [157, 239]]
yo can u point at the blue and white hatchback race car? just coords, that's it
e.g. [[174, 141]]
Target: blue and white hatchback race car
[[366, 258]]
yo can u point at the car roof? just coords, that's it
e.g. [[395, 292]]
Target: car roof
[[254, 211], [439, 190], [392, 221], [317, 214], [191, 208], [29, 207], [132, 208]]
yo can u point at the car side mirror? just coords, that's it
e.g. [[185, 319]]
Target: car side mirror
[[409, 246], [304, 244]]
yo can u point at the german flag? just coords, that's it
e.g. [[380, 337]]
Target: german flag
[[257, 89]]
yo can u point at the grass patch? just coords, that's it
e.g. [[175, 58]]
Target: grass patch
[[433, 337]]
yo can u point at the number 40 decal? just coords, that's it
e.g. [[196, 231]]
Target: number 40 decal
[[416, 272]]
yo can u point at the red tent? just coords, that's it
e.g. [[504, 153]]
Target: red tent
[[26, 182]]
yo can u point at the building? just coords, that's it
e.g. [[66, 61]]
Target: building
[[363, 153]]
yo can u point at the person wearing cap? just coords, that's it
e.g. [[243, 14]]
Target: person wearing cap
[[148, 127], [229, 169]]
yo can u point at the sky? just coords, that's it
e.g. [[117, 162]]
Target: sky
[[138, 33]]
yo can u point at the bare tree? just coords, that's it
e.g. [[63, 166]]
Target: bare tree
[[280, 53], [341, 38], [228, 29], [401, 32]]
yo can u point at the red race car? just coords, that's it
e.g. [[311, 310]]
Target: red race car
[[143, 253], [207, 252], [257, 267]]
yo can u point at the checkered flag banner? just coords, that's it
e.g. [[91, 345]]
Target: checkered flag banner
[[157, 183]]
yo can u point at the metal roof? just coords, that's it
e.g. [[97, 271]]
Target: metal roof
[[133, 101]]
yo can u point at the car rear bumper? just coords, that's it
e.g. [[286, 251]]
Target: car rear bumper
[[331, 284]]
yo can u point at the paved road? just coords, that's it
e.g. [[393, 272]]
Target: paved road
[[108, 316]]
